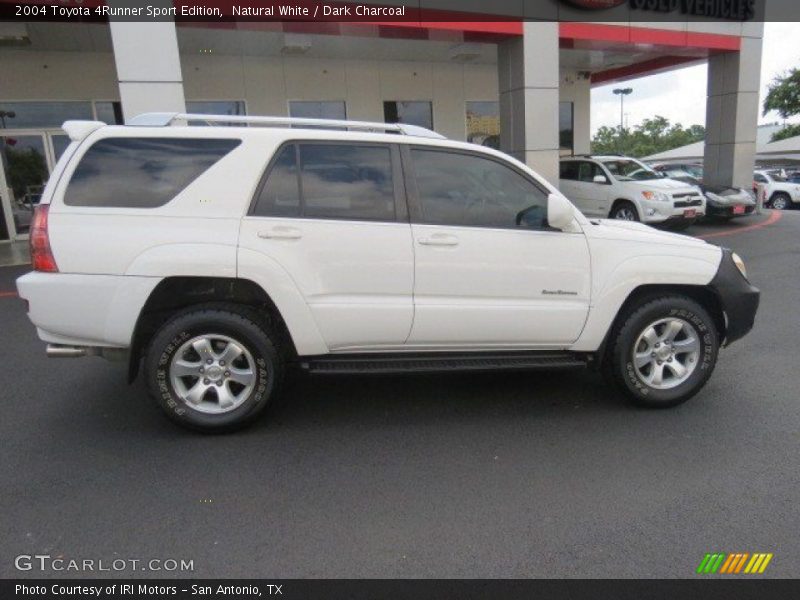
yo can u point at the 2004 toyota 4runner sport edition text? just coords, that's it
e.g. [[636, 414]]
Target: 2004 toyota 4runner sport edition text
[[214, 258]]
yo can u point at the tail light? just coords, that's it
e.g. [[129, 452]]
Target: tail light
[[41, 254]]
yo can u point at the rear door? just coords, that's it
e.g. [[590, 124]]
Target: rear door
[[333, 215], [489, 271]]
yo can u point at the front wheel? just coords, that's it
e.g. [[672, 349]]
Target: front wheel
[[664, 352], [624, 211], [212, 369]]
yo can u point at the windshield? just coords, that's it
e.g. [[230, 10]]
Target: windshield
[[627, 169]]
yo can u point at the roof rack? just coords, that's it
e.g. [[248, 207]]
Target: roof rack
[[166, 119]]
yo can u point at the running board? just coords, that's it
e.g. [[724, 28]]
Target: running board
[[435, 362]]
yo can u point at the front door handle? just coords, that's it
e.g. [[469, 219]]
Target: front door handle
[[439, 239], [281, 232]]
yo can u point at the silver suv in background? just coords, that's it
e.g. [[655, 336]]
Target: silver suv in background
[[619, 187]]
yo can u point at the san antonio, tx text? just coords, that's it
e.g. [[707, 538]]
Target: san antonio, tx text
[[159, 591]]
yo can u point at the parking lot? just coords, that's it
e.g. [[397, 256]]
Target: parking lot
[[481, 475]]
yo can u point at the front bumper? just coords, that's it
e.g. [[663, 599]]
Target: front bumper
[[663, 212], [739, 299]]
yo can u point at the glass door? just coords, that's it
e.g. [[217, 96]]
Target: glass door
[[27, 159]]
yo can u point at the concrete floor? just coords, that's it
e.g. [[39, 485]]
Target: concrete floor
[[14, 253]]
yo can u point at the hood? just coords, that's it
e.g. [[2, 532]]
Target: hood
[[638, 232], [662, 185]]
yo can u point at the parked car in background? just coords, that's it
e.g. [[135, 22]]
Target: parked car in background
[[722, 202], [677, 170], [619, 187], [780, 193]]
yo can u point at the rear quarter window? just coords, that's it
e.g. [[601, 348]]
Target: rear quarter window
[[141, 172]]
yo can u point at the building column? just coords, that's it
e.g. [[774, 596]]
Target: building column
[[148, 66], [529, 93], [732, 115]]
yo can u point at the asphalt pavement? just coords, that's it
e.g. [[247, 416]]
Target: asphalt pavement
[[481, 475]]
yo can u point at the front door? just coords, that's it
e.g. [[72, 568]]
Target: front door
[[489, 272]]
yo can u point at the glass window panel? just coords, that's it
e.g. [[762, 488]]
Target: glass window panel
[[307, 109], [60, 143], [109, 112], [141, 172], [463, 189], [216, 107], [29, 115], [280, 196], [566, 127], [26, 174], [409, 112], [483, 123], [347, 181]]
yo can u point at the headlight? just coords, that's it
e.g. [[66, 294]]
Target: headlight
[[656, 196], [737, 260]]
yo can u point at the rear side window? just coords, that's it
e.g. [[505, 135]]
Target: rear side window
[[141, 172], [337, 181]]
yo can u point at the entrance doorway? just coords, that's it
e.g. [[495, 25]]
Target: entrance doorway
[[27, 157]]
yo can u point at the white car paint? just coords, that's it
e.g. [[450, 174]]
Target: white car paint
[[346, 286], [596, 199], [772, 186]]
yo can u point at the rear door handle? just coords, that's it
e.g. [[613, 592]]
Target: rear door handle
[[281, 232], [439, 239]]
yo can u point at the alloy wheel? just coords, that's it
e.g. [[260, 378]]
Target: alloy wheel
[[666, 353], [213, 374]]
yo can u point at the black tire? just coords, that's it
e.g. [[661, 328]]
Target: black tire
[[623, 207], [619, 362], [780, 201], [249, 332]]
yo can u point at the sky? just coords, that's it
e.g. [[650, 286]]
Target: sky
[[680, 95]]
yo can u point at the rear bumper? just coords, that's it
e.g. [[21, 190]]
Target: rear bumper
[[85, 310], [714, 210], [739, 299]]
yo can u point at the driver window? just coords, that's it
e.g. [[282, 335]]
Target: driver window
[[469, 190], [587, 172]]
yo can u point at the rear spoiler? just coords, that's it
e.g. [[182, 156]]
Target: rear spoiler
[[78, 130]]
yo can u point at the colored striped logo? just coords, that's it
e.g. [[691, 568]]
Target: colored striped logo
[[735, 563]]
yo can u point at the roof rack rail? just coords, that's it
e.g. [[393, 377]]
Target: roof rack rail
[[167, 119]]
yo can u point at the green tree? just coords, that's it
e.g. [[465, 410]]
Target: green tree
[[783, 96], [649, 137]]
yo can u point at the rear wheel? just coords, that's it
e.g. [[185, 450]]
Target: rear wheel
[[781, 201], [212, 369], [624, 211], [664, 352]]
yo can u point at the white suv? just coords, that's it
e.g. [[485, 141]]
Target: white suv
[[219, 256], [618, 187], [779, 192]]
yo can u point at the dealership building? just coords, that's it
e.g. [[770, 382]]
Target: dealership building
[[523, 86]]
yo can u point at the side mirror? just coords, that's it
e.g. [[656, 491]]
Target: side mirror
[[600, 179], [560, 212]]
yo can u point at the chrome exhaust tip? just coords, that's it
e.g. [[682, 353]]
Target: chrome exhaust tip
[[59, 351]]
